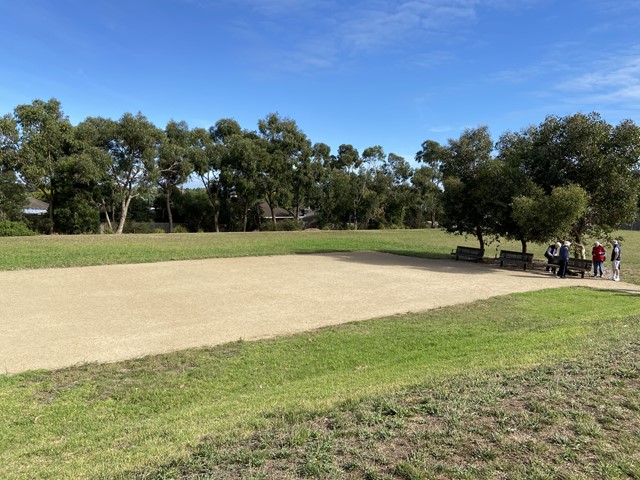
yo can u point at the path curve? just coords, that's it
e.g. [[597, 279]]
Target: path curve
[[54, 318]]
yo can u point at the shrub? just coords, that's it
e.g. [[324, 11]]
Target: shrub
[[138, 227], [286, 225], [289, 225], [38, 223], [267, 226], [180, 229], [14, 229]]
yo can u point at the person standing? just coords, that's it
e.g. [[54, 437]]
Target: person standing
[[616, 257], [550, 254], [563, 260], [599, 255]]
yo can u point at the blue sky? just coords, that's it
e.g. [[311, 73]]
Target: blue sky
[[389, 73]]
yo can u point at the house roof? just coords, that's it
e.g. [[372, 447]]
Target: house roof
[[279, 212], [35, 206]]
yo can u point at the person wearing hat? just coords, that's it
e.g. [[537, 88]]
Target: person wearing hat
[[563, 259], [616, 257], [599, 255]]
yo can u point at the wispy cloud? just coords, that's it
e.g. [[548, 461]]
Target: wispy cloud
[[616, 80], [526, 73], [321, 34]]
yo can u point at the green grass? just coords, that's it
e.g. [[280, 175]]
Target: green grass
[[83, 250], [412, 396], [538, 385]]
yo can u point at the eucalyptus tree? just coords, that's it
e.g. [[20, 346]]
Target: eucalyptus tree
[[321, 160], [470, 179], [286, 175], [426, 198], [427, 180], [587, 151], [342, 187], [94, 135], [347, 159], [12, 193], [206, 164], [174, 161], [132, 144], [378, 202], [78, 184], [248, 153], [45, 139], [302, 178], [542, 218], [210, 153], [391, 182]]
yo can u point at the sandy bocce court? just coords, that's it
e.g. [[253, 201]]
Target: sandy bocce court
[[54, 318]]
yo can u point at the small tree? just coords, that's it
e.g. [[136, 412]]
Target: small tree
[[544, 218], [46, 138], [12, 193], [427, 193], [470, 181], [173, 162], [586, 151]]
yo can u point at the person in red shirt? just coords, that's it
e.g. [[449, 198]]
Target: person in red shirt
[[599, 255]]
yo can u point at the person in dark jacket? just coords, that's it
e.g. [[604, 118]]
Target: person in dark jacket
[[563, 260], [550, 254], [616, 257]]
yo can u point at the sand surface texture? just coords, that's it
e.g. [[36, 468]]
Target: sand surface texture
[[54, 318]]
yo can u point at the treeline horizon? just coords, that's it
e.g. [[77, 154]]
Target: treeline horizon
[[569, 177]]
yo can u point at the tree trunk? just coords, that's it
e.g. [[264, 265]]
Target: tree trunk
[[433, 218], [168, 197], [480, 237], [49, 197], [106, 214], [270, 202], [246, 215], [213, 195], [123, 215], [355, 216], [51, 230], [524, 245]]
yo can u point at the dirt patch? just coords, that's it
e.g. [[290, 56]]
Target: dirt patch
[[54, 318]]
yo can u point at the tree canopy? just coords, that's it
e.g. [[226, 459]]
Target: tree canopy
[[570, 177]]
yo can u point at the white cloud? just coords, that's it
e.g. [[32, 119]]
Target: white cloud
[[616, 80], [319, 35]]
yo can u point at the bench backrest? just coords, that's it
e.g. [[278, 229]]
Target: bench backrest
[[524, 257], [470, 250], [580, 262]]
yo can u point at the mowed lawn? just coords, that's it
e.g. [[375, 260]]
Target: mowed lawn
[[537, 385], [82, 250]]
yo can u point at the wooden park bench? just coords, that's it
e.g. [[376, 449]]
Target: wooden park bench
[[581, 265], [468, 253], [518, 258]]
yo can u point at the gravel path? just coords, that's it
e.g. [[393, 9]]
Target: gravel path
[[55, 318]]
